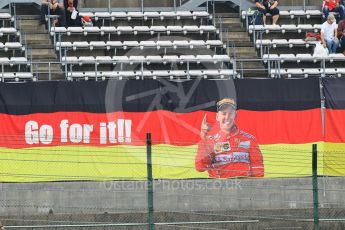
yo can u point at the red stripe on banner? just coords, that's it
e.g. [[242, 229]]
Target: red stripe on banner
[[335, 125], [81, 128]]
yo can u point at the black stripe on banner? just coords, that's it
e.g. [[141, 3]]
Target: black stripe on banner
[[334, 92], [151, 95], [278, 94]]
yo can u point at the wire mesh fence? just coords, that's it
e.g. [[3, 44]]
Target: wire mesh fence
[[74, 187]]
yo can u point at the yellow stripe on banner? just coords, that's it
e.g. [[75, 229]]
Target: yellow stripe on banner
[[71, 163], [334, 159]]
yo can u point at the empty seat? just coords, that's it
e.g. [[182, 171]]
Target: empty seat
[[154, 59], [5, 16], [181, 43], [104, 59], [187, 58], [114, 44], [187, 29], [164, 44], [268, 57], [131, 44], [151, 44], [170, 29], [170, 58], [157, 29], [221, 58], [200, 14], [292, 72], [311, 71], [120, 58], [8, 30], [77, 45], [177, 73], [120, 15], [86, 60], [97, 44], [136, 59], [304, 57], [108, 29], [124, 29], [70, 60], [160, 73], [185, 14], [4, 60], [91, 29], [151, 15], [141, 29], [63, 45], [214, 43], [135, 14], [280, 42], [197, 43], [101, 15], [204, 58], [167, 14], [13, 45], [207, 29]]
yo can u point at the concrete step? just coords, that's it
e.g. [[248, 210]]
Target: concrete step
[[27, 22], [231, 20], [44, 56], [45, 67], [232, 29], [235, 35], [228, 15], [36, 52], [37, 28], [42, 46], [37, 36], [235, 40], [244, 55], [243, 49], [251, 65], [255, 74], [54, 76], [241, 43], [33, 41]]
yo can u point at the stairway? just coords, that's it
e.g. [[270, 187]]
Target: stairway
[[40, 48], [240, 45]]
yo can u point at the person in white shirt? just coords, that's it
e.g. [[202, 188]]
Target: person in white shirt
[[329, 37]]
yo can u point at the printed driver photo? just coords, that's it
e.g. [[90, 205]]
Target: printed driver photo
[[224, 150]]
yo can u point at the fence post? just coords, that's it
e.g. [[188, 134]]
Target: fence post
[[150, 217], [315, 189]]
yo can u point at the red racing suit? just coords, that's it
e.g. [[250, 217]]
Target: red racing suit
[[234, 154]]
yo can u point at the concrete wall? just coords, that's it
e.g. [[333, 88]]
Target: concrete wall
[[170, 195]]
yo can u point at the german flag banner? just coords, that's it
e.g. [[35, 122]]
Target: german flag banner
[[65, 131], [334, 146]]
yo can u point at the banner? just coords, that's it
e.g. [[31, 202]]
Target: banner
[[334, 147], [54, 131]]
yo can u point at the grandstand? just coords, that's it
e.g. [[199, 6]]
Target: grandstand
[[78, 105], [131, 41]]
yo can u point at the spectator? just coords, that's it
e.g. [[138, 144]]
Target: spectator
[[341, 35], [333, 6], [70, 6], [329, 36], [268, 7], [55, 7]]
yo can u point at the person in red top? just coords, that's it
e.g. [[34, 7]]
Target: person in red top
[[333, 6], [226, 151]]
